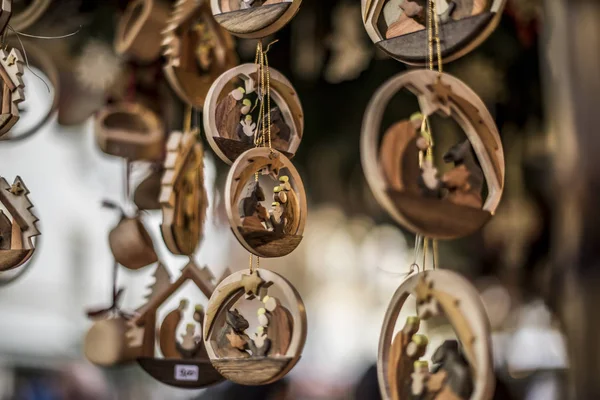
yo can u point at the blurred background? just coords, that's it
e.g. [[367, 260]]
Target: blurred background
[[535, 264]]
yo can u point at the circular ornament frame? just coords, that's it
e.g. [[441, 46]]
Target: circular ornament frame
[[244, 168], [256, 22], [264, 370], [460, 302], [450, 97]]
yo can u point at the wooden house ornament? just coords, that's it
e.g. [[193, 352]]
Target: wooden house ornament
[[16, 232]]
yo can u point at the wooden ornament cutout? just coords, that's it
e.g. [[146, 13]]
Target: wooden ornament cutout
[[11, 73], [131, 244], [274, 349], [254, 19], [230, 118], [131, 131], [268, 223], [463, 374], [398, 27], [197, 50], [139, 30], [27, 13], [147, 193], [392, 168], [183, 197], [185, 364], [18, 227]]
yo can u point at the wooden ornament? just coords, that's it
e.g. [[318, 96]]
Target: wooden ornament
[[256, 359], [147, 193], [139, 30], [398, 27], [5, 14], [228, 106], [183, 197], [184, 362], [11, 74], [106, 343], [455, 208], [465, 377], [131, 131], [273, 233], [27, 13], [131, 244], [254, 19], [19, 227], [197, 51]]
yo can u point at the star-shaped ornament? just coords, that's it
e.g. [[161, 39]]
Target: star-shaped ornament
[[16, 189], [252, 284], [440, 95], [11, 60]]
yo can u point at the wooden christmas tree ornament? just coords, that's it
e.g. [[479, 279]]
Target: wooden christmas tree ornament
[[131, 131], [183, 197], [18, 227], [139, 30], [184, 362], [231, 113], [11, 74], [131, 244], [398, 27], [254, 19], [439, 207], [274, 349], [266, 203], [462, 370], [197, 50]]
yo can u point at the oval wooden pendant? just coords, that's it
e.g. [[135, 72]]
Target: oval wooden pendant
[[271, 231], [446, 206], [274, 349], [197, 50], [18, 227], [231, 113], [254, 19], [182, 361], [131, 244], [464, 368], [398, 27], [183, 197], [13, 88], [131, 131]]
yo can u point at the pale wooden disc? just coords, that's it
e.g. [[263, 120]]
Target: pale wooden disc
[[458, 37], [432, 217], [470, 312]]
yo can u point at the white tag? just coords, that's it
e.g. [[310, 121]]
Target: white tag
[[186, 372]]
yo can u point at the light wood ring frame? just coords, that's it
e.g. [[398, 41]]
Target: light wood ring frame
[[29, 16], [228, 292], [241, 171], [283, 95], [372, 9], [257, 22], [488, 149], [472, 310], [132, 145]]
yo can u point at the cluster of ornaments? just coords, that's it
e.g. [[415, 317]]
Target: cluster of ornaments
[[264, 195], [398, 164]]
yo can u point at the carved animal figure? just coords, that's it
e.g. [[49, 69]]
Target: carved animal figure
[[465, 181], [448, 358], [231, 340]]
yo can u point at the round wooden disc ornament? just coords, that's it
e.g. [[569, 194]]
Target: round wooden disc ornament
[[183, 197], [231, 113], [271, 231], [139, 32], [18, 225], [131, 131], [197, 50], [463, 368], [269, 353], [398, 27], [439, 206], [254, 19]]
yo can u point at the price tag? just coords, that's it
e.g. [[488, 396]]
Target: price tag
[[186, 372]]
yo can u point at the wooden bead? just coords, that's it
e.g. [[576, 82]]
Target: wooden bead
[[392, 168], [131, 244], [255, 22], [464, 27]]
